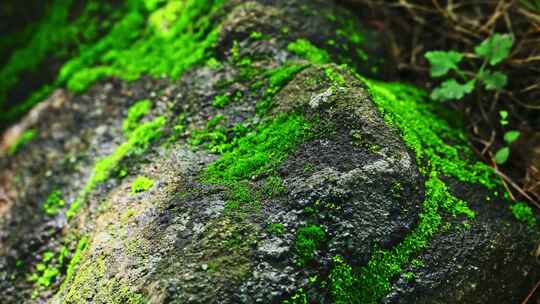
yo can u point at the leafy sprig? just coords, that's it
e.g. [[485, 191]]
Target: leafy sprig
[[493, 50]]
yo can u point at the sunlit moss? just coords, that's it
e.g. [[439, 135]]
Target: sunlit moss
[[254, 153], [53, 203], [141, 184], [423, 132], [56, 35], [130, 50], [135, 113], [305, 49]]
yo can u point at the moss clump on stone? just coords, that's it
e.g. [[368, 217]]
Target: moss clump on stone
[[144, 39], [305, 49], [141, 184], [277, 78], [256, 153], [260, 151], [422, 131], [89, 282], [372, 281], [135, 47], [523, 213], [26, 137], [308, 240], [221, 101], [215, 137], [53, 203], [135, 113]]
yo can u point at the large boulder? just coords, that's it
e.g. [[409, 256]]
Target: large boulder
[[271, 174]]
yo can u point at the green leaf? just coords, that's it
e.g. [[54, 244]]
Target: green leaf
[[493, 80], [441, 62], [495, 48], [451, 89], [504, 117], [502, 155], [511, 136]]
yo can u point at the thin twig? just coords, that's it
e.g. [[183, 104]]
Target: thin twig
[[515, 186], [529, 296]]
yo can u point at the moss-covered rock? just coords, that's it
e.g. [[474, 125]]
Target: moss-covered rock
[[268, 172]]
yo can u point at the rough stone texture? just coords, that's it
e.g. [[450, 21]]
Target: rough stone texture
[[176, 243]]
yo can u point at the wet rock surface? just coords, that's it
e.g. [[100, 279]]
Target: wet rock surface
[[353, 180]]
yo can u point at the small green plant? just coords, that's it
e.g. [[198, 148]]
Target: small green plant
[[493, 50], [141, 184], [53, 203], [501, 156]]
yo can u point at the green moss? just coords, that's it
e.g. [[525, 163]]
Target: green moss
[[523, 213], [139, 140], [141, 184], [135, 47], [53, 203], [423, 132], [75, 259], [277, 78], [371, 282], [221, 101], [299, 297], [259, 152], [256, 35], [153, 40], [215, 137], [334, 76], [308, 240], [135, 113], [51, 267], [273, 186], [305, 49], [25, 138], [276, 228], [342, 281], [255, 153], [409, 276], [58, 36], [91, 282]]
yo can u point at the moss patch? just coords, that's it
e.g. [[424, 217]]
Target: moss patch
[[523, 213], [141, 184], [135, 113], [257, 153], [305, 49], [143, 39], [135, 47], [308, 240], [25, 138], [53, 203]]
